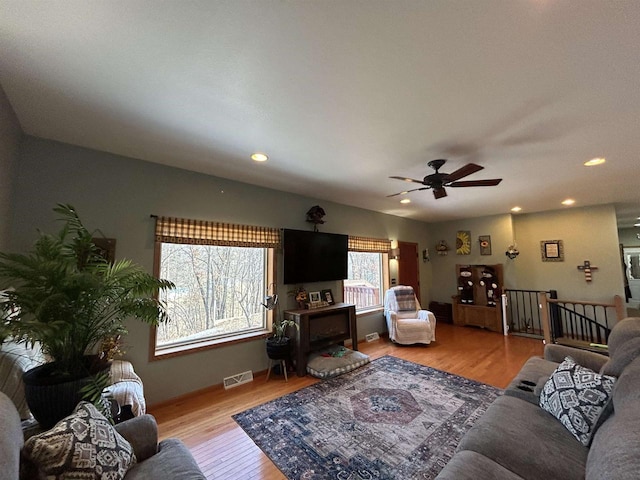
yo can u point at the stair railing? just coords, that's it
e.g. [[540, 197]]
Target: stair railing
[[522, 313], [587, 322]]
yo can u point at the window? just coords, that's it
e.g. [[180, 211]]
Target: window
[[218, 292], [368, 272], [220, 272]]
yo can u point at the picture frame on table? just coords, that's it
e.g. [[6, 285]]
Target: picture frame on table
[[314, 297], [327, 296]]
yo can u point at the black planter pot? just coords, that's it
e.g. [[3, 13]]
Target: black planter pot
[[52, 397], [279, 350]]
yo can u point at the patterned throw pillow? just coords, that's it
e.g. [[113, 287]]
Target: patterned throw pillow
[[577, 396], [83, 445]]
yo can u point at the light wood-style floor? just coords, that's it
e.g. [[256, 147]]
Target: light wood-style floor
[[222, 449]]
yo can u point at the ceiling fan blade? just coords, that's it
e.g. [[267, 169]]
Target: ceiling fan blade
[[405, 179], [462, 172], [439, 193], [407, 191], [476, 183]]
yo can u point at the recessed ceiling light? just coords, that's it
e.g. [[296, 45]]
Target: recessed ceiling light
[[637, 225], [516, 209], [405, 200], [568, 201], [595, 161], [259, 157]]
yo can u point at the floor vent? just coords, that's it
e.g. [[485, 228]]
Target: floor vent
[[370, 337], [239, 379]]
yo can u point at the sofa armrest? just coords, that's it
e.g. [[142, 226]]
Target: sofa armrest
[[142, 433], [592, 360]]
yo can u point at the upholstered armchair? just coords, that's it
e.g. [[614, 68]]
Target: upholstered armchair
[[406, 321]]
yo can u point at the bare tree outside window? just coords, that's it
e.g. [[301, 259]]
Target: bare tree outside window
[[364, 285], [218, 291]]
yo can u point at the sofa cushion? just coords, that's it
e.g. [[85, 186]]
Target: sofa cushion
[[578, 397], [624, 355], [173, 460], [626, 394], [82, 445], [142, 433], [469, 465], [557, 353], [614, 450], [527, 440], [622, 332]]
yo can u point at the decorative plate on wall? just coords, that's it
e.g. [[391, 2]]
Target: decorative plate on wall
[[463, 242]]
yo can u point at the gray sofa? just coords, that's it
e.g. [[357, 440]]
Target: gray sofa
[[516, 439], [169, 459]]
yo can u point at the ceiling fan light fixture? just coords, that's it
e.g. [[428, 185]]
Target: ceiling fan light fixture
[[405, 200], [568, 202], [438, 181], [595, 161], [259, 157]]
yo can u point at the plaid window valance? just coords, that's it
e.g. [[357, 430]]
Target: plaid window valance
[[203, 232], [366, 244]]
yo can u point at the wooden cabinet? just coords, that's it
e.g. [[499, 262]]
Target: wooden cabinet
[[321, 327], [479, 314]]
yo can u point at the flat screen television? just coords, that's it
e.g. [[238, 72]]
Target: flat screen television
[[314, 256]]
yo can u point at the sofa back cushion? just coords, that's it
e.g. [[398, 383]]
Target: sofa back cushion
[[623, 332], [614, 450]]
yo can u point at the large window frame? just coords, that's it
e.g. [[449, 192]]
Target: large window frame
[[199, 232], [374, 246]]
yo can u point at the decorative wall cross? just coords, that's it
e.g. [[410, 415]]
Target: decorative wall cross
[[587, 267]]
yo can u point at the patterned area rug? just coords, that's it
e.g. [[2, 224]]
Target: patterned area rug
[[391, 419]]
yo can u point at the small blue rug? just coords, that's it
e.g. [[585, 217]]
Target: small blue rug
[[390, 419]]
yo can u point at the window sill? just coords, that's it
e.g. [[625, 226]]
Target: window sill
[[193, 347], [369, 311]]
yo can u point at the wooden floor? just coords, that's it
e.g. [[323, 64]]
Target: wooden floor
[[224, 451]]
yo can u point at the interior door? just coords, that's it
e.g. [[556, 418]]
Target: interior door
[[632, 264], [408, 268]]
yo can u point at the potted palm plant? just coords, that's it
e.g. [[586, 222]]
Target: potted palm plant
[[70, 299]]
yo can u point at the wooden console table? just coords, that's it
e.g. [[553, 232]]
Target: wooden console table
[[321, 327]]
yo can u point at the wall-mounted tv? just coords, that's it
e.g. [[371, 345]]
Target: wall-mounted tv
[[314, 256]]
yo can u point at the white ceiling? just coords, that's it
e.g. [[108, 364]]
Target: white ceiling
[[343, 94]]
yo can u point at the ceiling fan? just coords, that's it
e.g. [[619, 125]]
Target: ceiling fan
[[437, 181]]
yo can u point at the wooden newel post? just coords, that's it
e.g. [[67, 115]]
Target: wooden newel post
[[619, 305], [544, 317]]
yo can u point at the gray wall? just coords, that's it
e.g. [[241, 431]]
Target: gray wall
[[499, 227], [629, 237], [588, 233], [117, 195], [10, 134]]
